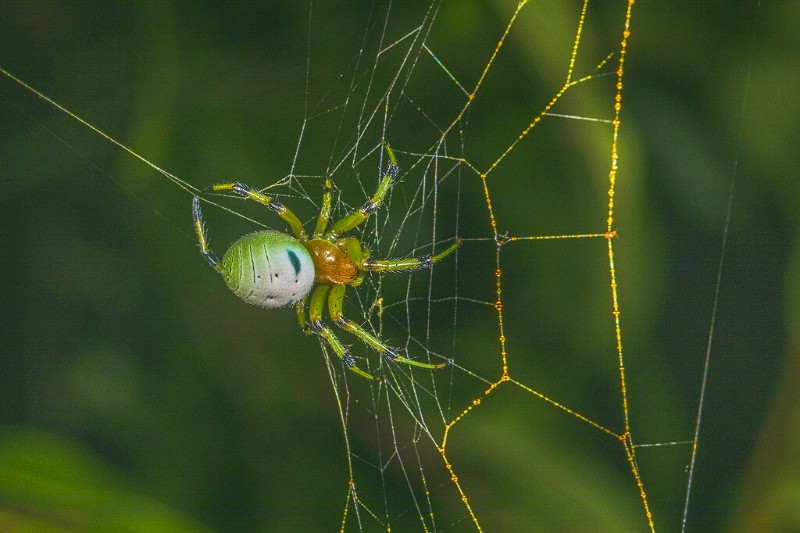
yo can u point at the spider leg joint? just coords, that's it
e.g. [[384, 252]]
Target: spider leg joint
[[393, 170], [317, 326], [241, 189], [210, 258], [391, 354], [348, 360], [197, 213], [370, 207]]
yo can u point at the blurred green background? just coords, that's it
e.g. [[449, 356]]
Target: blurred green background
[[138, 395]]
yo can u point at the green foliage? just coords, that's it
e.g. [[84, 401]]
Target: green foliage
[[50, 483]]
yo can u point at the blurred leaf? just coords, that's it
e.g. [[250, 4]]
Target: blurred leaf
[[49, 483]]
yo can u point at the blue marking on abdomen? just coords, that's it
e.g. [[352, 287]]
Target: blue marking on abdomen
[[295, 261]]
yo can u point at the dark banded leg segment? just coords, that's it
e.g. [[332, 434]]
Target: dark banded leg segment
[[354, 219], [245, 191], [200, 230], [406, 264], [335, 303], [315, 308]]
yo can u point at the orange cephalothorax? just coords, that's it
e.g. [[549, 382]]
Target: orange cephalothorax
[[331, 263]]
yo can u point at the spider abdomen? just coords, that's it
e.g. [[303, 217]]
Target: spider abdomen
[[269, 269]]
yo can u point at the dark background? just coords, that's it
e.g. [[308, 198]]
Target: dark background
[[139, 395]]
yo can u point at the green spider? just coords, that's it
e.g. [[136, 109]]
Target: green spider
[[272, 269]]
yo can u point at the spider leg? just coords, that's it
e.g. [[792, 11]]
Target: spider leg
[[200, 230], [357, 217], [404, 264], [245, 191], [324, 211], [315, 316], [335, 303], [300, 307]]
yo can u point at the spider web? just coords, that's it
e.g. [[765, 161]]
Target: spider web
[[454, 159], [543, 403]]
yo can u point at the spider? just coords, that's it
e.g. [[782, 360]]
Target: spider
[[272, 269]]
